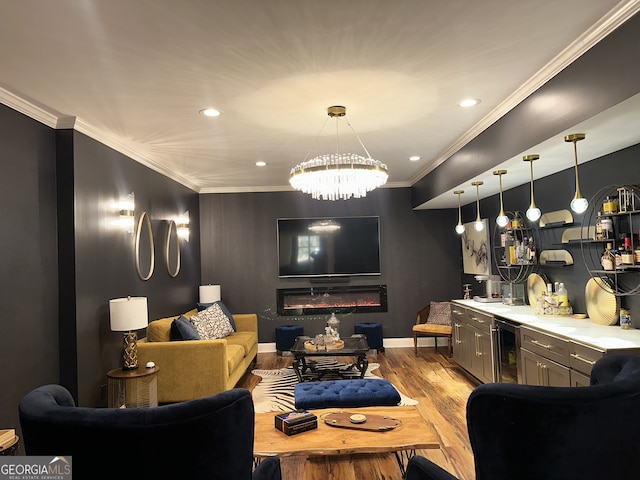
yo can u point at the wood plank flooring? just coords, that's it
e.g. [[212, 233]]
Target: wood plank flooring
[[436, 381]]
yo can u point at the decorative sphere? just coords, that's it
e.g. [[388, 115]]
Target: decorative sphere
[[479, 226], [460, 229]]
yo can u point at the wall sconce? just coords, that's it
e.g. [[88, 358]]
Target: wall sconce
[[533, 212], [460, 227], [126, 315], [579, 204], [502, 219], [182, 224], [125, 208], [479, 224]]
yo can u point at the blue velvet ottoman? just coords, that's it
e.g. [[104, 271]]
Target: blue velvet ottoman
[[373, 332], [286, 336], [346, 393]]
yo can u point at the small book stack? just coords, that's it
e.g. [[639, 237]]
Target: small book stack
[[6, 437], [295, 422]]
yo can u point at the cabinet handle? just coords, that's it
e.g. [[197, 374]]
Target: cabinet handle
[[541, 371], [478, 319], [582, 359], [477, 350], [540, 344], [458, 341]]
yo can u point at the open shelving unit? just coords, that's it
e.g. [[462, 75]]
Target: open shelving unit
[[626, 279]]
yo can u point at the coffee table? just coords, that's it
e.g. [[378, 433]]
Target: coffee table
[[414, 433], [354, 346]]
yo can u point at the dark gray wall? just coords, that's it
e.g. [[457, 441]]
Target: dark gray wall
[[28, 264], [104, 256], [420, 254]]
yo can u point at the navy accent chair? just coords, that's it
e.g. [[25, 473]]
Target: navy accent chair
[[208, 438], [543, 433]]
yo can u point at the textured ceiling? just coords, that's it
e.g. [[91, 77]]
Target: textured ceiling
[[135, 74]]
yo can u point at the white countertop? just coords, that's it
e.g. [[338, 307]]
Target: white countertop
[[604, 337]]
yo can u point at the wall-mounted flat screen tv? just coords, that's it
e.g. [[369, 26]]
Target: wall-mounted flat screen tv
[[324, 247]]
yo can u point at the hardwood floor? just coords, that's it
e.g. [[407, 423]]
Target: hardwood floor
[[442, 389]]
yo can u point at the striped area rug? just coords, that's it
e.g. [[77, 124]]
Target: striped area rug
[[274, 393]]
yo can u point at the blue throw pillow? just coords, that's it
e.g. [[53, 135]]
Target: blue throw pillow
[[182, 329], [223, 307]]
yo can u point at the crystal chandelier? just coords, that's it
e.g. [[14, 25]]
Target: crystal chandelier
[[339, 176]]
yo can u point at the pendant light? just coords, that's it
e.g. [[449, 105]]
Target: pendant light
[[579, 204], [502, 219], [478, 224], [533, 212], [459, 227]]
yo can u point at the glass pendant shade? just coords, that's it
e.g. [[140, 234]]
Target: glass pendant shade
[[502, 219], [579, 204], [478, 224], [533, 212], [459, 227]]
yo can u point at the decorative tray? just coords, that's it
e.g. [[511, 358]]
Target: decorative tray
[[376, 423], [309, 345]]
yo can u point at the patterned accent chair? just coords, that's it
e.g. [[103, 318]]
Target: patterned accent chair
[[433, 320]]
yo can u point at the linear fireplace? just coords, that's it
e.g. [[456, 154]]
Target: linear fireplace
[[325, 300]]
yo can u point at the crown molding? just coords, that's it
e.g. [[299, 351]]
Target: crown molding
[[29, 108], [603, 27]]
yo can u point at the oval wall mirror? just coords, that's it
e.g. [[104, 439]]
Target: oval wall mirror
[[172, 250], [145, 221]]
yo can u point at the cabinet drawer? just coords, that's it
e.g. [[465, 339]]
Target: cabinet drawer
[[583, 357], [478, 320], [548, 346], [458, 312]]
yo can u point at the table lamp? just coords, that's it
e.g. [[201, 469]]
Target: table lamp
[[129, 314], [209, 293]]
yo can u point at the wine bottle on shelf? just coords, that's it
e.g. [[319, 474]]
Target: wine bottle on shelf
[[532, 251], [626, 252], [599, 232], [608, 259]]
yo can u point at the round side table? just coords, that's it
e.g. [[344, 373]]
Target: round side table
[[133, 388], [11, 448]]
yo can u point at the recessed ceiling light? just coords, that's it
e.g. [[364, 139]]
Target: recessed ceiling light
[[468, 102], [211, 112], [260, 163], [414, 158]]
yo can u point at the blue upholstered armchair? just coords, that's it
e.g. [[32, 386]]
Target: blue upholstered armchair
[[208, 438], [524, 432]]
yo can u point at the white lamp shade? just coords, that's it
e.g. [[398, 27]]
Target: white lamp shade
[[128, 314], [209, 293]]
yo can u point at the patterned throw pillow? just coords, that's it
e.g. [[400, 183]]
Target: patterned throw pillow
[[212, 323], [440, 313]]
